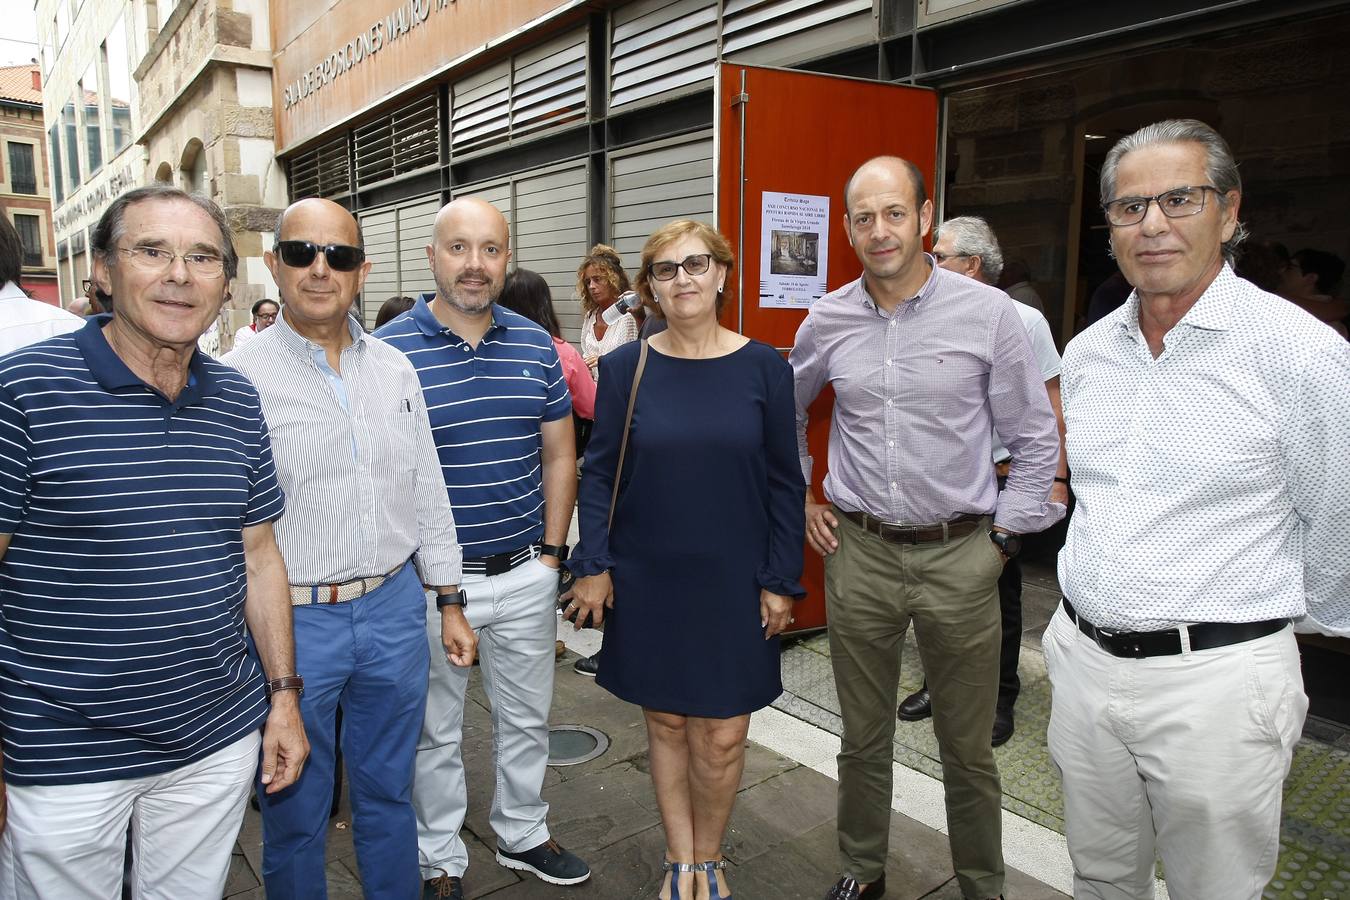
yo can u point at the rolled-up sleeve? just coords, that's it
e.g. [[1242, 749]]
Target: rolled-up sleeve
[[439, 557], [808, 376]]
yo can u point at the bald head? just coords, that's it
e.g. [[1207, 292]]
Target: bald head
[[317, 209], [892, 169], [469, 250]]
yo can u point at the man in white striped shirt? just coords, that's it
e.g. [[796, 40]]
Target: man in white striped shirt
[[367, 524]]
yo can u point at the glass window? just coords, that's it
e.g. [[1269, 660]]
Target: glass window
[[119, 86], [54, 154], [72, 141], [93, 134], [62, 23], [22, 175], [30, 235]]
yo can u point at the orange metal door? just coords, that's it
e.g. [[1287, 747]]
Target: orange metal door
[[801, 133]]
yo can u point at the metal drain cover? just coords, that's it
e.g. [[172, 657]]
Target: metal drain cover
[[572, 745]]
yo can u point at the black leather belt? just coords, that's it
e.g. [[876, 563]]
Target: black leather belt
[[501, 563], [1204, 636], [912, 534]]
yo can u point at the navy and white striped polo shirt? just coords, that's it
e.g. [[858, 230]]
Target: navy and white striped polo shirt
[[486, 407], [122, 648]]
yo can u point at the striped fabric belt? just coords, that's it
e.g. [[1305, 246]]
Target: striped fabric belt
[[341, 592], [501, 563]]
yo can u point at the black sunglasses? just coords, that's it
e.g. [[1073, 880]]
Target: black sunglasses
[[300, 255]]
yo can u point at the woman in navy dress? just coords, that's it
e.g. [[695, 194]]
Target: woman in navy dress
[[698, 572]]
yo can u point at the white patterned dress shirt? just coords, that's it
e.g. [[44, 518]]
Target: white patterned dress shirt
[[1213, 482]]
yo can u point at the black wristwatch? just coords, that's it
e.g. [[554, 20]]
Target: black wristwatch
[[458, 598], [1008, 544], [558, 550]]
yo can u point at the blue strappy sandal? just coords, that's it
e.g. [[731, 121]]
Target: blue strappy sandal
[[676, 869], [715, 884]]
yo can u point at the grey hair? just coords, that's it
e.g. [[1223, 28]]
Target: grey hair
[[112, 224], [276, 229], [972, 236], [1220, 167]]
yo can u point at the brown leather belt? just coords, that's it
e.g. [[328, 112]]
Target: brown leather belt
[[913, 534]]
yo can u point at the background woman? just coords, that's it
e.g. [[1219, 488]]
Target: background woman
[[712, 468], [600, 281], [527, 293]]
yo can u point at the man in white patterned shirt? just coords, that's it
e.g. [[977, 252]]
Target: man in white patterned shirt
[[1208, 424], [354, 453]]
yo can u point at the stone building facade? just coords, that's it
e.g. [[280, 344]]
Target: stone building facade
[[25, 185]]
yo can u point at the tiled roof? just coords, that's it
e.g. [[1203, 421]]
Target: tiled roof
[[16, 83]]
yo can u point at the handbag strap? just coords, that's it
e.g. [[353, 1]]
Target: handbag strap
[[628, 421]]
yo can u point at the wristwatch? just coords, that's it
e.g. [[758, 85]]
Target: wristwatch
[[1008, 544], [456, 598], [558, 550]]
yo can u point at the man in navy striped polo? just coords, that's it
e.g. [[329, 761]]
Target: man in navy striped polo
[[502, 420], [367, 524], [137, 496]]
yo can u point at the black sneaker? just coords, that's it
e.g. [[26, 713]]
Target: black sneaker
[[549, 862], [443, 887], [587, 665]]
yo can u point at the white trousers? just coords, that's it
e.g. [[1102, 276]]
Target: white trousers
[[66, 841], [1184, 756], [514, 616]]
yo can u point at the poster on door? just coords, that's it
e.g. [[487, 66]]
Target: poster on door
[[793, 258]]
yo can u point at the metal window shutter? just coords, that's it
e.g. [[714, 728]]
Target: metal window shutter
[[480, 108], [549, 85], [396, 238], [322, 172], [783, 31], [654, 185], [403, 141], [549, 234], [659, 46]]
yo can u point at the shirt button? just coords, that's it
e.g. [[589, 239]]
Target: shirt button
[[890, 362], [889, 401], [894, 485], [890, 443]]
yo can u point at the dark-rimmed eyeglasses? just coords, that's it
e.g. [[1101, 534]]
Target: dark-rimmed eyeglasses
[[1175, 204], [694, 264], [301, 254], [159, 260], [943, 257]]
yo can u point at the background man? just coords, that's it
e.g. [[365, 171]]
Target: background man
[[136, 534], [23, 320], [502, 420], [264, 317], [355, 456], [1208, 424], [968, 246], [926, 366]]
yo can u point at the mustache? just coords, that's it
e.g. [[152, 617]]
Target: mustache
[[476, 274]]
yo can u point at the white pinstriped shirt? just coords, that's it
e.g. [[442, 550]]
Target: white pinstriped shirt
[[362, 480]]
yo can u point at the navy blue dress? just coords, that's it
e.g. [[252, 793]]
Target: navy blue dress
[[711, 509]]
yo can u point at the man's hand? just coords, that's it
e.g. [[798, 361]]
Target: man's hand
[[820, 526], [285, 747], [551, 561], [589, 597], [459, 640], [775, 612], [1059, 493]]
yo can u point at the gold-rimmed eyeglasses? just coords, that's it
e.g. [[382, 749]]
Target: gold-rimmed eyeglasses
[[159, 260]]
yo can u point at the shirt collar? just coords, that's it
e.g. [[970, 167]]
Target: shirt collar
[[11, 291], [302, 345], [1212, 310], [112, 373], [929, 285], [428, 324]]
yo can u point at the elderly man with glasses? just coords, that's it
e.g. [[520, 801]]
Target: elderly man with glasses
[[137, 497], [1208, 427], [368, 524]]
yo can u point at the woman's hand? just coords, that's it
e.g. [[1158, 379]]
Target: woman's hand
[[775, 612], [589, 597]]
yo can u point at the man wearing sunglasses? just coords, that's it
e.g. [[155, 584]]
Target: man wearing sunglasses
[[137, 497], [1208, 428], [367, 524], [503, 425]]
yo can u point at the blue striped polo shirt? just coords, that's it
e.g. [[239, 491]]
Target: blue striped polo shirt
[[122, 641], [486, 406]]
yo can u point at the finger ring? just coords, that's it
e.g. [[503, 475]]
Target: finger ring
[[792, 621]]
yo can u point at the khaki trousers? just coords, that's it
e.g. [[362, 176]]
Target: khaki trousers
[[873, 590]]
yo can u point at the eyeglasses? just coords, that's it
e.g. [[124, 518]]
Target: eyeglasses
[[160, 260], [943, 257], [300, 255], [1175, 204], [266, 316], [665, 270]]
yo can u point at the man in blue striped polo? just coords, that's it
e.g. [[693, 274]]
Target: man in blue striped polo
[[367, 524], [137, 496], [502, 419]]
